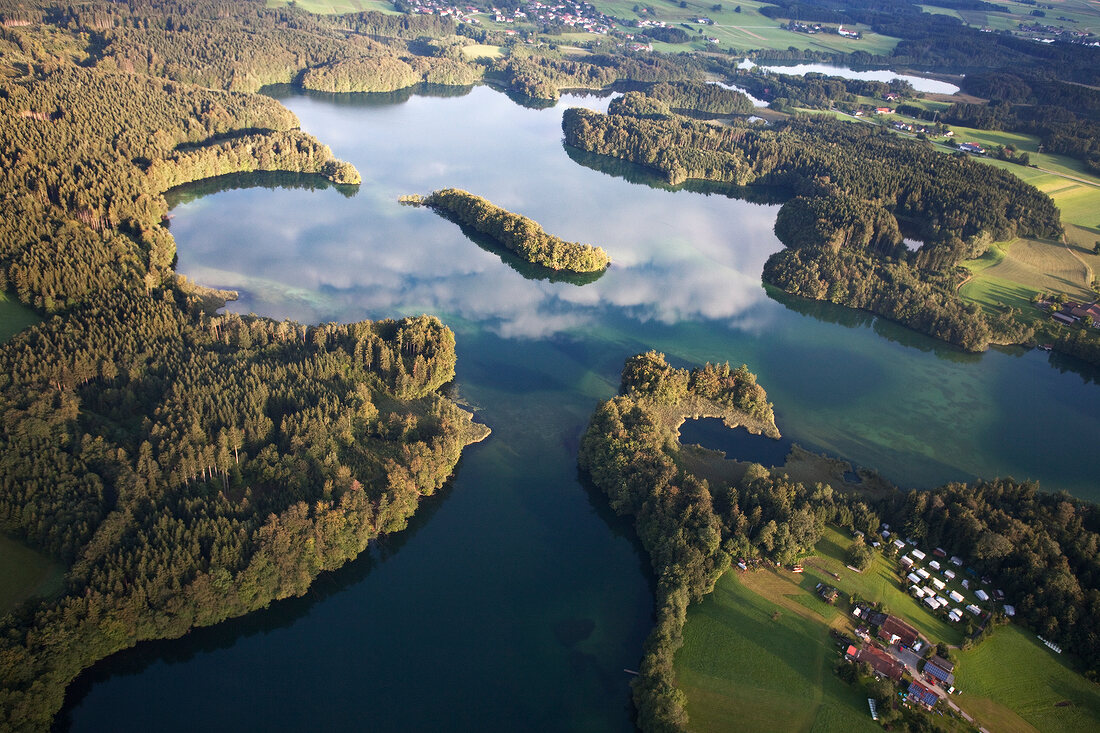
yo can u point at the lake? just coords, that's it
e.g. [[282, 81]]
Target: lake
[[515, 600], [919, 83]]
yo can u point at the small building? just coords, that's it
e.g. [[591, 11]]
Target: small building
[[956, 596], [882, 663], [883, 111], [828, 593], [965, 584], [940, 669], [974, 610], [932, 603], [924, 574], [917, 554], [938, 584], [982, 595], [900, 544], [955, 615], [913, 578], [944, 603], [906, 561], [1063, 318], [934, 565], [949, 574], [956, 561], [1010, 610], [939, 552], [973, 148], [877, 618], [916, 591], [895, 631], [921, 695]]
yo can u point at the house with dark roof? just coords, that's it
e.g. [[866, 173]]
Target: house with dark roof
[[882, 663], [895, 631], [940, 669], [921, 695]]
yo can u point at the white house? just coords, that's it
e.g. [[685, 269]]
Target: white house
[[982, 595], [918, 554], [956, 596]]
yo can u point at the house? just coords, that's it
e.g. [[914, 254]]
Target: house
[[896, 631], [882, 663], [974, 148], [883, 111], [851, 652], [876, 619], [940, 669], [932, 603], [944, 603], [921, 695], [955, 615], [934, 565], [949, 574], [918, 554], [913, 578], [906, 562], [939, 552], [938, 584], [1010, 610], [974, 610], [1092, 311], [1063, 318], [916, 591], [899, 544], [956, 561], [982, 595], [966, 584], [828, 593], [924, 574], [956, 596], [892, 96]]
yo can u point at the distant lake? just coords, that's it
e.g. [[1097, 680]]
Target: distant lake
[[919, 83], [516, 598]]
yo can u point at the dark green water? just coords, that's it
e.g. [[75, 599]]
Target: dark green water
[[515, 601]]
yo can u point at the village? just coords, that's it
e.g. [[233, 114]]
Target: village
[[891, 647], [580, 16]]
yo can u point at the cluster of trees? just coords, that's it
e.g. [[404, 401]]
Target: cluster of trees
[[851, 184], [543, 76], [812, 91], [1042, 549], [689, 528], [517, 233], [388, 72], [185, 468], [701, 97]]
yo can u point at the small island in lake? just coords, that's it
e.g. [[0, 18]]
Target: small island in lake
[[517, 233]]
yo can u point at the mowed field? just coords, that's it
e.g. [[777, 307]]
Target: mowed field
[[758, 655], [1009, 274], [1011, 682]]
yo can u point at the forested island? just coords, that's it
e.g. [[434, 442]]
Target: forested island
[[1039, 547], [513, 231]]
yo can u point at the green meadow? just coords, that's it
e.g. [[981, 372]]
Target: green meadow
[[25, 574], [750, 664], [14, 316], [1012, 682]]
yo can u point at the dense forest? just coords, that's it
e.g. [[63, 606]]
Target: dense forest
[[514, 232], [850, 184], [185, 468], [1041, 549], [701, 97]]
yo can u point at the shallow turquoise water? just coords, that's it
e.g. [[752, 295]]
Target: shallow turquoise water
[[516, 601]]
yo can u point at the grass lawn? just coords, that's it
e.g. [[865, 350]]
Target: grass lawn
[[1011, 682], [749, 664], [14, 316], [25, 573]]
